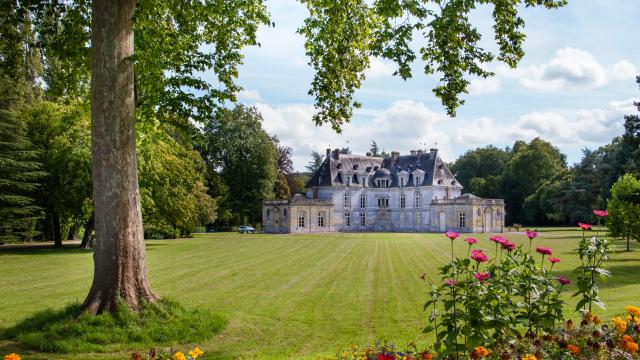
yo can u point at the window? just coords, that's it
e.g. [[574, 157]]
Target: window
[[301, 219], [418, 181], [418, 218], [321, 219], [403, 201], [363, 219], [285, 212], [402, 182], [383, 183], [363, 201], [418, 199], [461, 220], [347, 200], [347, 219], [268, 214], [383, 202]]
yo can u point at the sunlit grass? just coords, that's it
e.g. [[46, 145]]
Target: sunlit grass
[[290, 296]]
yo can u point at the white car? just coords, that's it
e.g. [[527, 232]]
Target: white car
[[246, 229]]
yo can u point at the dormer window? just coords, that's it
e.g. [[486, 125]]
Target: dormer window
[[440, 182], [383, 183]]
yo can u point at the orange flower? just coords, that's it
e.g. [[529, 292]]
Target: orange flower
[[574, 349], [620, 324], [12, 356], [628, 344], [633, 311], [529, 357], [570, 326], [479, 353], [588, 316]]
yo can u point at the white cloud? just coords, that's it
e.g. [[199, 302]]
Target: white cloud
[[587, 127], [570, 69], [624, 70], [249, 95], [481, 86], [404, 126], [378, 69]]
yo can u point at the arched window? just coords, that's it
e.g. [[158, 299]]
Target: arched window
[[418, 199]]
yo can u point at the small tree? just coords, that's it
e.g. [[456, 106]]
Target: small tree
[[315, 163], [623, 213]]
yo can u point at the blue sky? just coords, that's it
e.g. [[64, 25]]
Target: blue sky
[[572, 88]]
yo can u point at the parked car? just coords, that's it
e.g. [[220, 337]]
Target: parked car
[[246, 229]]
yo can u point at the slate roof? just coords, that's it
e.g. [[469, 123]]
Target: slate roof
[[337, 163]]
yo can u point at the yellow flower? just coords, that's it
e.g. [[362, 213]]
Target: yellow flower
[[529, 357], [620, 324], [633, 311], [179, 356], [597, 320], [569, 325], [588, 316], [12, 356]]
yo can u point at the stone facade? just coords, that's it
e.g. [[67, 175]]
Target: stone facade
[[414, 192]]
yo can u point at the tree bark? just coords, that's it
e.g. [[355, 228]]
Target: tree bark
[[57, 231], [88, 229], [120, 275]]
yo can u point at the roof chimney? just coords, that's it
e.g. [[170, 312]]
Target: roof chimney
[[419, 152], [368, 153], [336, 153], [395, 155], [434, 152], [413, 152], [328, 152]]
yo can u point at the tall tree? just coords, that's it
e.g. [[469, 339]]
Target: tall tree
[[20, 173], [119, 268], [531, 164], [246, 158], [374, 149], [624, 211], [316, 161]]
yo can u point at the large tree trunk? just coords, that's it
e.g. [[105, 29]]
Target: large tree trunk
[[57, 231], [119, 274], [88, 230]]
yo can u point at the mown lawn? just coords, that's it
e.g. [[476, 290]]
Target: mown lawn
[[286, 296]]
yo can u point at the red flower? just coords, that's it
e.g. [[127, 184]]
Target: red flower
[[554, 259], [479, 256], [482, 276], [450, 282], [471, 240], [386, 357], [452, 235], [563, 280], [509, 246], [584, 226], [601, 213], [531, 234], [544, 250], [497, 239]]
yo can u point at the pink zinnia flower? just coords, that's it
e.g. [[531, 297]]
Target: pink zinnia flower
[[563, 280], [471, 240], [531, 234], [479, 256], [544, 250], [452, 235], [554, 260], [601, 213], [509, 246], [497, 239], [482, 276], [584, 226], [450, 282]]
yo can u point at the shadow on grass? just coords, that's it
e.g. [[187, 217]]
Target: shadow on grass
[[48, 249], [71, 331]]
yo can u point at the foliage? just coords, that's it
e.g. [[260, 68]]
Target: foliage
[[20, 176], [477, 169], [316, 161], [62, 135], [246, 158], [357, 30], [624, 211], [593, 254], [72, 331], [171, 354], [473, 307], [173, 196]]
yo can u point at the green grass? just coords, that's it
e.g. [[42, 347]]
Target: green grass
[[287, 296], [71, 331]]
